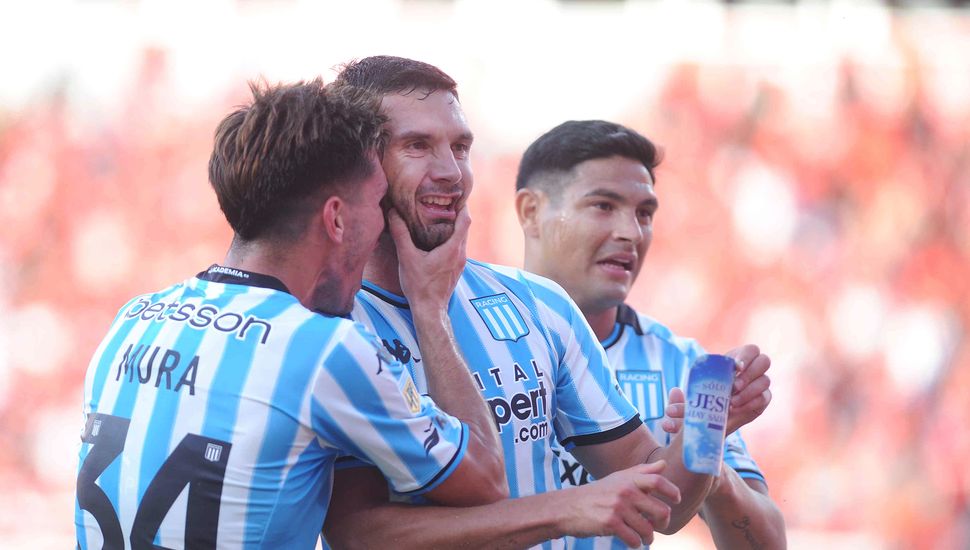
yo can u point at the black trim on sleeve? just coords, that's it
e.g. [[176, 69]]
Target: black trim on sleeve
[[230, 275], [604, 437], [447, 467]]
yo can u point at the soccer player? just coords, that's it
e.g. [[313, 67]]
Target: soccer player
[[215, 408], [532, 354], [586, 202]]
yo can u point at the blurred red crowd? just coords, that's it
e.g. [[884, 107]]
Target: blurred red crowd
[[836, 235]]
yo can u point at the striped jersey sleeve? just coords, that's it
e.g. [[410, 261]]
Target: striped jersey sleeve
[[366, 404]]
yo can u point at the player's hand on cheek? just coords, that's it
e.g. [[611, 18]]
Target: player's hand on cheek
[[674, 412], [751, 394], [429, 278]]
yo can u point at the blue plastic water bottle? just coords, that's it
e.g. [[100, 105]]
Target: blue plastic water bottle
[[705, 419]]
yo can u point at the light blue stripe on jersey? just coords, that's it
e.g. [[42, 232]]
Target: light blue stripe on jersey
[[305, 507], [304, 350], [232, 372], [382, 327], [473, 349], [159, 433], [125, 403], [471, 335]]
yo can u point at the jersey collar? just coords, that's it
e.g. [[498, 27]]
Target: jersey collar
[[625, 317], [389, 297], [230, 275]]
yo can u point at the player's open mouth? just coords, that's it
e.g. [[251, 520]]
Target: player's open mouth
[[623, 263], [440, 206], [442, 203]]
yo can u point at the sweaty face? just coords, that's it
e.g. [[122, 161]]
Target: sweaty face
[[427, 162], [364, 220], [594, 235]]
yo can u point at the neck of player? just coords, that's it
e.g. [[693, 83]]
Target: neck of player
[[601, 321], [288, 264], [382, 267]]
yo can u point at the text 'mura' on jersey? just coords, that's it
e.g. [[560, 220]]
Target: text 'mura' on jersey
[[215, 410], [532, 355]]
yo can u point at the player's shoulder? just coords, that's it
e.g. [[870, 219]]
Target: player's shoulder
[[651, 328], [524, 284]]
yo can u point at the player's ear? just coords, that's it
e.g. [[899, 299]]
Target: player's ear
[[527, 208], [332, 218]]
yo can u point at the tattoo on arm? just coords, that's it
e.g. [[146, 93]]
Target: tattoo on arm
[[744, 525]]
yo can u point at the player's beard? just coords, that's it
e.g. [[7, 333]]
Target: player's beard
[[425, 237], [429, 237]]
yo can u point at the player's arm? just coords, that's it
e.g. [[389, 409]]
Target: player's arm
[[428, 280], [740, 514], [624, 504]]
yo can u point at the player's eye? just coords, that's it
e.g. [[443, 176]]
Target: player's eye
[[604, 206], [461, 149], [645, 216]]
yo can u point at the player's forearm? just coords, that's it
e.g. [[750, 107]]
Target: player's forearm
[[451, 386], [516, 523], [693, 487], [741, 517]]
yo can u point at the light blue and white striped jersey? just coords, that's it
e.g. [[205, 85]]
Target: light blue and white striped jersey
[[215, 409], [649, 360], [534, 358]]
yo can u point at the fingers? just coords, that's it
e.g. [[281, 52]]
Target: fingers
[[675, 411], [656, 485], [751, 391], [676, 396], [631, 538], [642, 526], [459, 237], [750, 370], [744, 355]]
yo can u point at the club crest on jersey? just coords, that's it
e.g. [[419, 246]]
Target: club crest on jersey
[[213, 452], [501, 317], [410, 393], [645, 389]]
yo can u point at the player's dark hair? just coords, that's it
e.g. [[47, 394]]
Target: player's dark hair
[[385, 74], [276, 159], [561, 149]]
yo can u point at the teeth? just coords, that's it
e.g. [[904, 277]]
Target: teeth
[[437, 201]]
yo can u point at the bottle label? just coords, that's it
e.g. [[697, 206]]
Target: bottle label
[[705, 419]]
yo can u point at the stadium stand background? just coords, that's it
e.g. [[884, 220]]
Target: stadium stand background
[[815, 199]]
